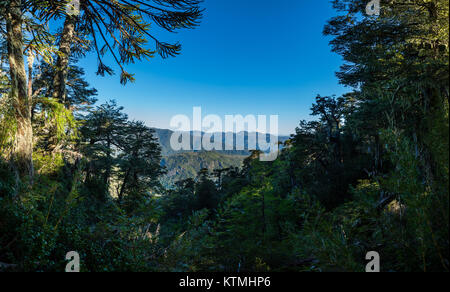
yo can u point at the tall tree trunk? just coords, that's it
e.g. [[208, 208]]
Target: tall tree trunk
[[122, 189], [62, 62], [263, 207], [107, 175], [30, 62], [23, 142]]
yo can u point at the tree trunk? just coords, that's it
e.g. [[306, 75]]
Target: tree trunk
[[107, 175], [263, 207], [23, 142], [62, 63]]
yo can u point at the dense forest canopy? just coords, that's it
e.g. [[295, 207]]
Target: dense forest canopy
[[369, 173]]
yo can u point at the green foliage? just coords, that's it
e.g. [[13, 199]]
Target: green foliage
[[192, 250], [371, 173], [54, 124], [182, 166]]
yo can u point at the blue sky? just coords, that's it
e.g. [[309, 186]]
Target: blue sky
[[247, 57]]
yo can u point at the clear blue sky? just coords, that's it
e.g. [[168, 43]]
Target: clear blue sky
[[247, 57]]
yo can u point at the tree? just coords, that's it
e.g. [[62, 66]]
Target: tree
[[331, 112], [20, 100], [139, 162], [398, 62], [103, 132], [56, 125], [122, 28], [79, 95], [205, 191], [386, 56]]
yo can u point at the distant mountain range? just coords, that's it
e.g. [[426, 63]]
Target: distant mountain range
[[184, 164]]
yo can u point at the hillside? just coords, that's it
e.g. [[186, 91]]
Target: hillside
[[186, 165]]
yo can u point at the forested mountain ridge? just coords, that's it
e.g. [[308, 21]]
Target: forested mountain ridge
[[369, 173], [185, 164]]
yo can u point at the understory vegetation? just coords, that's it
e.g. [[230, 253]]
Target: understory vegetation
[[369, 173]]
